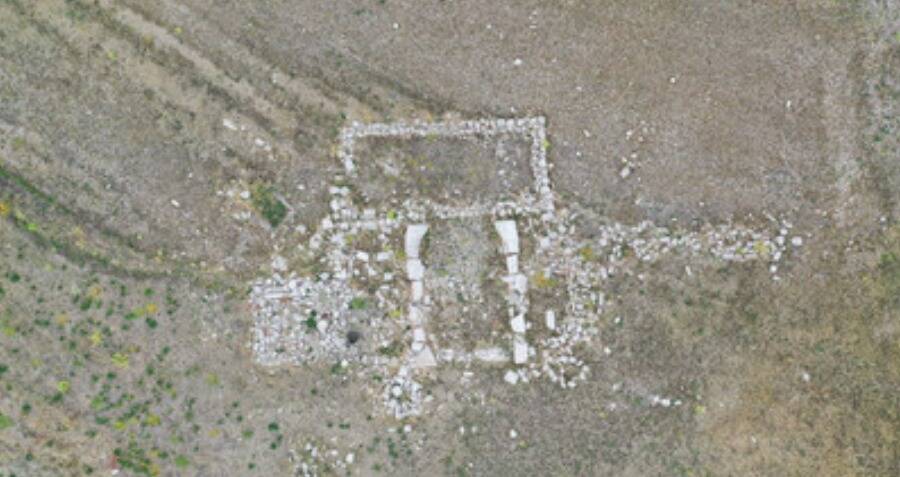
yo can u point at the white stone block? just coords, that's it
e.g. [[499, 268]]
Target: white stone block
[[415, 271], [517, 283], [423, 359], [491, 355], [418, 291], [416, 315], [512, 264], [550, 319], [518, 324], [509, 235], [511, 377], [520, 350], [413, 239]]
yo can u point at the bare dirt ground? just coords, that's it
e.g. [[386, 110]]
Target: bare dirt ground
[[156, 155]]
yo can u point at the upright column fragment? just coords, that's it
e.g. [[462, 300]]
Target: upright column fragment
[[518, 287], [422, 356]]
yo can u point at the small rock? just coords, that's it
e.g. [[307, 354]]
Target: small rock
[[518, 324], [511, 377], [279, 264]]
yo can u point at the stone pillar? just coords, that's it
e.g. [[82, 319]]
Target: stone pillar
[[518, 287], [421, 356]]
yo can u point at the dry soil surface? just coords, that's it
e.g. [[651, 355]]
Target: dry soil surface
[[155, 156]]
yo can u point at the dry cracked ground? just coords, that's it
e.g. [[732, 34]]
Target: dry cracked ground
[[155, 156]]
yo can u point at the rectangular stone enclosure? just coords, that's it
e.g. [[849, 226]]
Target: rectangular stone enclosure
[[462, 186]]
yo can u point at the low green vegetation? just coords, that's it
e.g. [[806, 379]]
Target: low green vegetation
[[5, 422], [181, 462], [267, 204], [358, 303]]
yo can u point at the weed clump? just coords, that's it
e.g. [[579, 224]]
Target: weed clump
[[268, 205]]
